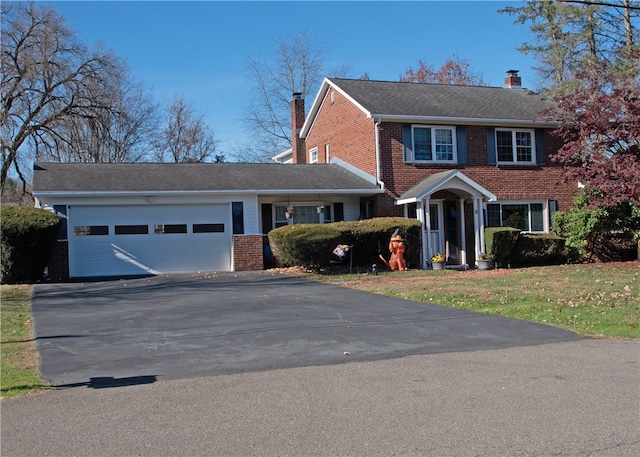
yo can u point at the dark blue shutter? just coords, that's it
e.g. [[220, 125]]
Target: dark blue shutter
[[461, 139], [407, 142], [491, 146], [338, 212], [541, 157], [267, 218], [237, 217]]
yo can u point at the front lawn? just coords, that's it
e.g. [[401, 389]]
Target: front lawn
[[19, 368], [599, 300]]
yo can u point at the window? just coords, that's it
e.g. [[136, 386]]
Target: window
[[528, 217], [434, 144], [132, 229], [237, 217], [90, 230], [515, 146], [169, 228], [313, 155], [303, 214], [208, 228]]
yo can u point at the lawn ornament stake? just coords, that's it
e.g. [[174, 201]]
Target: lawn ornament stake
[[396, 247]]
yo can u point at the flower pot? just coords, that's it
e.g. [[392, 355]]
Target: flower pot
[[484, 264], [437, 265]]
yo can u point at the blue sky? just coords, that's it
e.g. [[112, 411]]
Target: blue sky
[[199, 49]]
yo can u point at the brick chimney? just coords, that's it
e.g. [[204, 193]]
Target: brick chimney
[[513, 81], [298, 153]]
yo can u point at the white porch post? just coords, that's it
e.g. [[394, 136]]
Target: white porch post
[[476, 225], [481, 222], [426, 245], [420, 215], [463, 235]]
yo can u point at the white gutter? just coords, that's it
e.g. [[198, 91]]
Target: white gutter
[[464, 120], [146, 193], [378, 173]]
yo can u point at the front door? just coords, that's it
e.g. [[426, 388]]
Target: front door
[[437, 233]]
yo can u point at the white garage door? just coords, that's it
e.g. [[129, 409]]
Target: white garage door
[[131, 240]]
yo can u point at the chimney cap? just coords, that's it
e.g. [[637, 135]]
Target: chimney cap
[[513, 72], [297, 95]]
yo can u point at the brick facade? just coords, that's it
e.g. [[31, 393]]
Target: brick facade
[[351, 137], [248, 252], [58, 267]]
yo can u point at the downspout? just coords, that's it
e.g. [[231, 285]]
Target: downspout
[[377, 131]]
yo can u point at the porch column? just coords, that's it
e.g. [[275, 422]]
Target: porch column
[[481, 222], [463, 235], [476, 226], [426, 245], [420, 217]]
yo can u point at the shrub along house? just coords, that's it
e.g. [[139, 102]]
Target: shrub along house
[[133, 219], [458, 158]]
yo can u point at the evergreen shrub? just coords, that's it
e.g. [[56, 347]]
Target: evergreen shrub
[[28, 236], [312, 245]]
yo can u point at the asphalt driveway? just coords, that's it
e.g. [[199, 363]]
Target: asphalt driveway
[[183, 326]]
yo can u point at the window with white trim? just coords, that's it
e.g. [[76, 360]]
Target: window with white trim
[[515, 146], [313, 155], [302, 213], [434, 144], [526, 216]]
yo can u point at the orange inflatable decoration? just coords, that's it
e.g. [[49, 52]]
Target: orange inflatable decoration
[[396, 247]]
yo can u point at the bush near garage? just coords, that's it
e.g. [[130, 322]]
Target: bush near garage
[[312, 245], [28, 237]]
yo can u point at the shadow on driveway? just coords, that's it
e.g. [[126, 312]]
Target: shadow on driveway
[[182, 326]]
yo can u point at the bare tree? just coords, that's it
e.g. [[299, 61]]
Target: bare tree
[[186, 137], [298, 66], [50, 81]]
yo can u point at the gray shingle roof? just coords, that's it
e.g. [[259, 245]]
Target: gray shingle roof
[[155, 177], [443, 100]]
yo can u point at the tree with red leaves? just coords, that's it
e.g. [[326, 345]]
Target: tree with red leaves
[[454, 71], [601, 132]]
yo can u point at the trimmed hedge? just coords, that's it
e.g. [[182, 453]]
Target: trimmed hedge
[[500, 242], [510, 248], [28, 238], [537, 250], [312, 245]]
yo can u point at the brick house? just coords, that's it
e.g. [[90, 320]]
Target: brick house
[[458, 158]]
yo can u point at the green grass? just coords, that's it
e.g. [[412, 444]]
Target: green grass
[[19, 361], [598, 300]]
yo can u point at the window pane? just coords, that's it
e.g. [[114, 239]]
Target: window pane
[[90, 230], [306, 215], [208, 228], [132, 229], [523, 146], [504, 144], [61, 212], [493, 215], [170, 228], [422, 143], [516, 216], [444, 144], [537, 219]]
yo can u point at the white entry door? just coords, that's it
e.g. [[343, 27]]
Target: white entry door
[[437, 230]]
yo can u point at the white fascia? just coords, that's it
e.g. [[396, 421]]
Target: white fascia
[[466, 121]]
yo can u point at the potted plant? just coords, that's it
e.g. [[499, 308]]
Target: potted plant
[[437, 261], [484, 261]]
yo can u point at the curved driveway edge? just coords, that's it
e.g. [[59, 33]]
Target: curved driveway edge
[[181, 326]]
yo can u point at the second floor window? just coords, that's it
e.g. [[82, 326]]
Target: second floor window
[[515, 146], [313, 155], [434, 144]]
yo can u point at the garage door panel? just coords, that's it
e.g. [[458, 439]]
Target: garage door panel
[[147, 251]]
